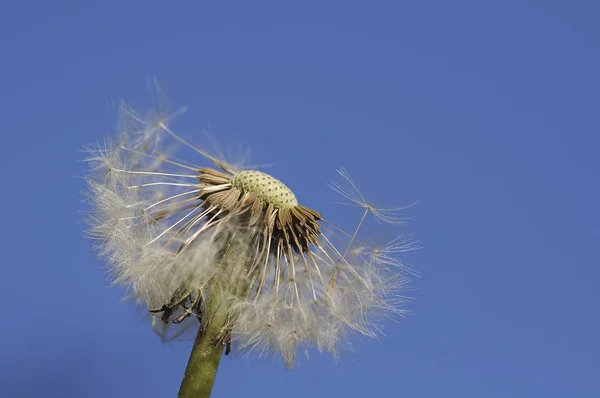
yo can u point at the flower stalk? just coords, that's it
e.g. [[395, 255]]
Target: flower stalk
[[203, 364], [213, 335]]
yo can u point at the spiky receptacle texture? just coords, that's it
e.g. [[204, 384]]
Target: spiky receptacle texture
[[179, 236], [267, 188]]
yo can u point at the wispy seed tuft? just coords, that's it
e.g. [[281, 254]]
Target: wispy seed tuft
[[196, 242]]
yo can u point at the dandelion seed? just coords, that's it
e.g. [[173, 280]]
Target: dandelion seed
[[350, 191], [234, 249]]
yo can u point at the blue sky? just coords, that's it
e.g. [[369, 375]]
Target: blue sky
[[485, 112]]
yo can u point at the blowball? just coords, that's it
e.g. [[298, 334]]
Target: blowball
[[200, 244]]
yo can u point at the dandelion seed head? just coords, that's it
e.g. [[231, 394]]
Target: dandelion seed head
[[206, 240]]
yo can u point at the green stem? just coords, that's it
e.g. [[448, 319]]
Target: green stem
[[206, 354], [204, 361]]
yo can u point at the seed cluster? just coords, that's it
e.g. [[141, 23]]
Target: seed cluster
[[267, 201], [232, 250]]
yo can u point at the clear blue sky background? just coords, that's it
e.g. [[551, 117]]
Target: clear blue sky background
[[487, 112]]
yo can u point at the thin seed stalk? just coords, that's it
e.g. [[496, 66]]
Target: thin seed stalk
[[203, 364]]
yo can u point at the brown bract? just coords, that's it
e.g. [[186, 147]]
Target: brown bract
[[287, 228]]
